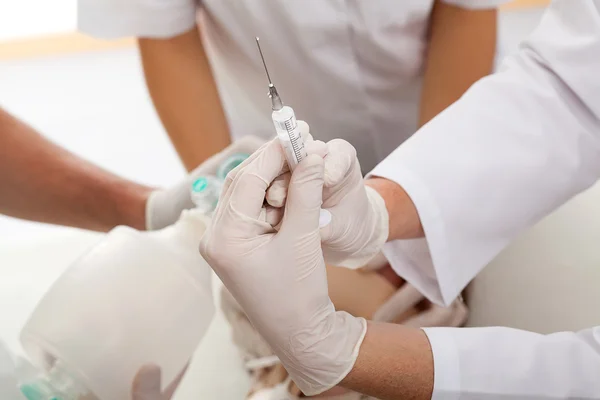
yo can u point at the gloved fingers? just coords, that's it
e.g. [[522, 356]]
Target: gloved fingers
[[277, 192], [250, 145], [146, 384], [164, 207], [274, 216], [246, 145], [304, 130], [251, 182], [305, 195], [317, 147], [226, 191], [340, 162], [231, 175], [329, 231], [274, 147], [342, 176]]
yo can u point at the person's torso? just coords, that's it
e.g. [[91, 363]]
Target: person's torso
[[350, 68]]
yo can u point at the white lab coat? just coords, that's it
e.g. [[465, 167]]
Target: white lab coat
[[514, 148], [352, 69]]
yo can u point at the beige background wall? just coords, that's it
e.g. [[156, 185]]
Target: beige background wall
[[56, 44]]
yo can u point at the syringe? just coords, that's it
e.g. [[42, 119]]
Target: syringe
[[285, 123], [288, 132]]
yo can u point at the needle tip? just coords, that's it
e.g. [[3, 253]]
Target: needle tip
[[263, 60]]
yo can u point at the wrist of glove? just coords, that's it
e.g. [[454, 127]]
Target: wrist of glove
[[366, 231], [359, 223], [321, 357], [164, 206]]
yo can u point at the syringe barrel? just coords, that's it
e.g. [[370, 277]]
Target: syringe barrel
[[289, 135]]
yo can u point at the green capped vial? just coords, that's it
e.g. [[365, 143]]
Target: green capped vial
[[205, 193], [56, 384]]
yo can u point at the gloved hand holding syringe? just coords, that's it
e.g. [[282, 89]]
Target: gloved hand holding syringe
[[288, 131]]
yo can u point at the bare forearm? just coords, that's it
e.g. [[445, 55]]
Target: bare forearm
[[395, 362], [185, 95], [461, 51], [404, 221], [42, 182]]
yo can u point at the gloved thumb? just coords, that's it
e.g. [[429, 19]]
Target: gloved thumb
[[305, 195], [304, 130]]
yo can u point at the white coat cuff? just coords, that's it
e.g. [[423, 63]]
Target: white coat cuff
[[446, 364], [111, 19], [415, 260]]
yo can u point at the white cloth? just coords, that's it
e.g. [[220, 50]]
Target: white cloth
[[518, 145], [364, 58]]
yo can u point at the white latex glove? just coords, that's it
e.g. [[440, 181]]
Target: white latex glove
[[147, 384], [279, 277], [359, 218], [164, 206]]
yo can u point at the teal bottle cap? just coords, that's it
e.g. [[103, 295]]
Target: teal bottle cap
[[38, 391], [200, 185]]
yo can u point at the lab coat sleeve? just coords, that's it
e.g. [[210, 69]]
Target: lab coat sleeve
[[109, 19], [504, 364], [515, 147]]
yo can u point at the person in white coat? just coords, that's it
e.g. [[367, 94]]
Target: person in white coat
[[518, 145]]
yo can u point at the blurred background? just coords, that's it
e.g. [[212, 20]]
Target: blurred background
[[89, 96], [17, 20]]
